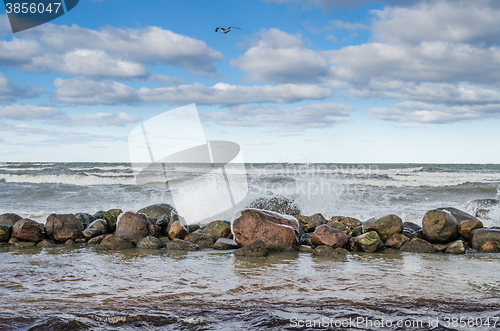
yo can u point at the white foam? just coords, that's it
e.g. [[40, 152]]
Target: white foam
[[67, 179]]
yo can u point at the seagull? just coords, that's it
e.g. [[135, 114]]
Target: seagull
[[222, 30]]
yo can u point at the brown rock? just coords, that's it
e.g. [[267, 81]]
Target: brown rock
[[9, 218], [177, 230], [396, 240], [112, 242], [310, 223], [278, 232], [385, 226], [255, 249], [349, 222], [217, 229], [132, 227], [97, 240], [181, 245], [150, 243], [101, 225], [329, 251], [489, 247], [325, 235], [27, 230], [440, 247], [61, 227], [201, 239], [439, 226], [154, 230], [417, 245], [465, 228], [456, 247], [156, 211], [481, 236]]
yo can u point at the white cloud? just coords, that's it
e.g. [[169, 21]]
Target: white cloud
[[349, 26], [29, 112], [99, 119], [329, 4], [86, 91], [11, 91]]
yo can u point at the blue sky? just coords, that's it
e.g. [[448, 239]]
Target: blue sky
[[302, 81]]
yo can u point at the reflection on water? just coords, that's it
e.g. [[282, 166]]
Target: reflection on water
[[80, 288]]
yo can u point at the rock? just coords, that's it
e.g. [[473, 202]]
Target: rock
[[69, 242], [164, 240], [456, 247], [338, 226], [132, 227], [91, 233], [158, 210], [177, 230], [385, 226], [459, 215], [193, 227], [27, 230], [329, 251], [418, 246], [22, 244], [181, 245], [489, 247], [100, 225], [12, 240], [306, 249], [277, 231], [5, 231], [412, 226], [225, 244], [84, 219], [277, 204], [255, 249], [99, 215], [218, 229], [112, 242], [417, 234], [9, 219], [150, 243], [46, 243], [305, 239], [97, 240], [368, 242], [440, 247], [357, 231], [480, 236], [111, 217], [61, 227], [163, 221], [349, 222], [201, 239], [439, 226], [325, 235], [310, 223], [396, 240], [465, 228], [154, 230]]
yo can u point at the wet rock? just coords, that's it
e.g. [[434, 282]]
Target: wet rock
[[150, 243], [91, 233], [368, 242], [325, 235], [163, 221], [193, 227], [132, 227], [305, 239], [466, 227], [111, 242], [357, 231], [480, 236], [329, 251], [225, 244], [158, 210], [278, 232], [12, 240], [310, 223], [489, 247], [306, 249], [177, 230], [9, 218], [69, 242], [154, 230], [459, 215], [418, 246], [255, 249], [396, 240], [456, 247], [440, 226], [99, 215], [22, 244], [349, 222], [385, 226], [218, 229], [440, 247], [111, 217], [412, 235], [5, 231], [181, 245], [277, 204], [201, 239], [97, 240], [337, 225], [410, 225], [27, 230], [100, 225], [61, 227], [46, 243], [84, 219]]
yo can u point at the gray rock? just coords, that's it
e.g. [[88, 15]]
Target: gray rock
[[368, 242], [5, 231], [84, 219], [9, 218], [459, 215], [456, 247], [111, 242], [181, 245], [481, 236], [255, 249], [225, 244], [91, 233], [27, 230], [337, 225], [324, 250], [439, 226], [217, 229], [158, 210], [385, 226], [418, 246], [310, 223], [99, 215], [201, 239], [163, 222], [411, 225], [100, 225], [150, 243]]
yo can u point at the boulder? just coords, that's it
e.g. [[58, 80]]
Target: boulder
[[459, 215], [310, 223], [306, 249], [132, 227], [225, 244], [396, 240], [97, 240], [150, 243], [99, 215], [201, 239], [84, 219], [410, 225], [46, 243], [154, 230], [329, 251], [9, 218], [177, 230], [368, 242], [111, 242], [181, 245], [27, 230], [163, 221], [489, 247], [305, 239], [277, 204], [69, 242], [338, 226], [193, 227], [440, 226], [456, 247], [480, 236], [156, 211], [440, 247], [218, 229], [325, 235], [91, 233], [417, 245], [100, 225], [5, 231], [349, 222], [385, 226], [111, 217], [466, 227], [61, 227], [277, 231], [255, 249], [164, 240]]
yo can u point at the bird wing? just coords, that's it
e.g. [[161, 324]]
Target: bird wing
[[234, 27], [217, 29]]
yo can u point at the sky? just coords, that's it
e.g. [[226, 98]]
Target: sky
[[343, 81]]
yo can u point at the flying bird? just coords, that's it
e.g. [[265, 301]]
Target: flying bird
[[222, 30]]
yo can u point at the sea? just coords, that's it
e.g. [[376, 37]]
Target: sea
[[81, 288]]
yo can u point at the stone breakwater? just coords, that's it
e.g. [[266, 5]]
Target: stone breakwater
[[276, 226]]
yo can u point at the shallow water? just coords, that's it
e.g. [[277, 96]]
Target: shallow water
[[80, 288]]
